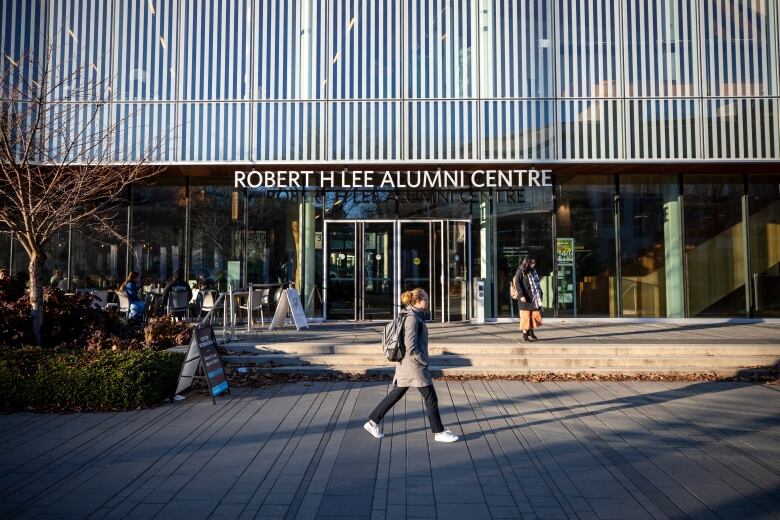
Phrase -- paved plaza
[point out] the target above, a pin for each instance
(608, 450)
(736, 332)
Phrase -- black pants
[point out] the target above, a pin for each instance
(395, 395)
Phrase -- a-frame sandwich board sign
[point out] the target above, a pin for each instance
(203, 353)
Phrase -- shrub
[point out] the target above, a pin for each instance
(15, 322)
(68, 320)
(130, 337)
(86, 381)
(163, 332)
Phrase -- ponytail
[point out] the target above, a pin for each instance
(412, 297)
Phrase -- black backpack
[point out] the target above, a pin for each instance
(392, 338)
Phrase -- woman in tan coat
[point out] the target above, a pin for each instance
(529, 298)
(413, 369)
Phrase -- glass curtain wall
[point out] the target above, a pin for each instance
(517, 234)
(55, 269)
(714, 246)
(764, 239)
(216, 234)
(158, 230)
(651, 246)
(284, 242)
(98, 259)
(585, 227)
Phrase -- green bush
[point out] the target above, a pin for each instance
(86, 381)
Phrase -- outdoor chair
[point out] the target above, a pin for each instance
(100, 299)
(259, 299)
(124, 305)
(178, 304)
(208, 302)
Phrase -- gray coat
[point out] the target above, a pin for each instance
(413, 368)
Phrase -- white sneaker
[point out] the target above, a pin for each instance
(373, 429)
(445, 436)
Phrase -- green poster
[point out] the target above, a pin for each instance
(564, 250)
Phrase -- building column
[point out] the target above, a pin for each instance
(487, 257)
(673, 252)
(307, 257)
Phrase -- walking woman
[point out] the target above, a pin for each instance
(529, 297)
(413, 369)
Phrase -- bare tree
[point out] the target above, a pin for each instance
(67, 155)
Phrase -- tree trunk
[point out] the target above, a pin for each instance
(37, 259)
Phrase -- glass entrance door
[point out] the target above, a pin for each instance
(368, 264)
(420, 252)
(359, 267)
(378, 296)
(457, 271)
(341, 271)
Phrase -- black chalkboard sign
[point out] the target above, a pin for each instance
(203, 354)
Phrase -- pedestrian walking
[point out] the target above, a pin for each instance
(529, 297)
(412, 371)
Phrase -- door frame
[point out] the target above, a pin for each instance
(359, 274)
(431, 246)
(467, 260)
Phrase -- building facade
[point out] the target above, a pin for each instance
(658, 120)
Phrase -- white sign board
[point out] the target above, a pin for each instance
(290, 302)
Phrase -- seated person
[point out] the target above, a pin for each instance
(177, 285)
(56, 278)
(132, 289)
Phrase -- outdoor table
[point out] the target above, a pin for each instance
(237, 295)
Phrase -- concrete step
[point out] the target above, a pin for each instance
(500, 371)
(532, 349)
(572, 362)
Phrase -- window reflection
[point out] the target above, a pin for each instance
(650, 246)
(740, 53)
(714, 252)
(764, 239)
(272, 235)
(518, 235)
(660, 36)
(98, 258)
(516, 49)
(585, 215)
(216, 236)
(146, 49)
(518, 130)
(440, 48)
(364, 49)
(158, 228)
(587, 48)
(55, 269)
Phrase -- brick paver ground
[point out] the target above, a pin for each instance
(529, 450)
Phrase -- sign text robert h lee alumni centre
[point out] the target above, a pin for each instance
(441, 179)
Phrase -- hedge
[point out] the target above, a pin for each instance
(86, 381)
